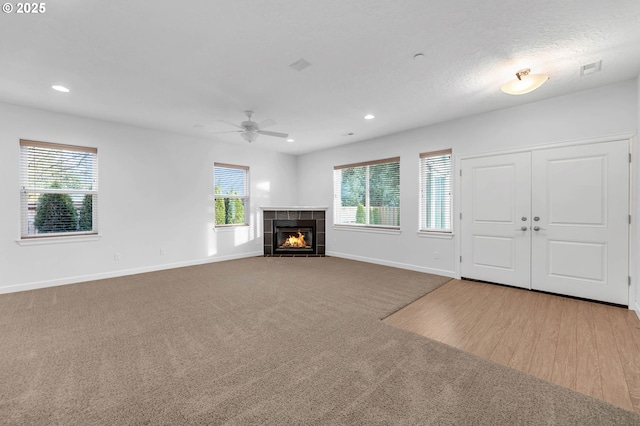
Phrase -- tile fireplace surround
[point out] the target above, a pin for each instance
(294, 213)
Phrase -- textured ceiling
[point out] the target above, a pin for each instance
(170, 65)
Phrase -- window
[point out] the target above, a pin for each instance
(59, 189)
(435, 191)
(231, 189)
(368, 194)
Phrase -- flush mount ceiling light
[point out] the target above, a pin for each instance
(290, 140)
(369, 117)
(524, 83)
(60, 88)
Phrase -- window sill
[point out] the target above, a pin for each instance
(436, 235)
(368, 229)
(229, 228)
(58, 240)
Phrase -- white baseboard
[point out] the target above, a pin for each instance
(434, 271)
(122, 272)
(636, 308)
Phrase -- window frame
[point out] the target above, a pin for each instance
(25, 189)
(338, 197)
(422, 196)
(245, 198)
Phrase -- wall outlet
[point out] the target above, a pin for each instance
(116, 256)
(162, 252)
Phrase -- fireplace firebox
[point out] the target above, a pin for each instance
(294, 236)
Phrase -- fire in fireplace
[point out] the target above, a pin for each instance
(295, 241)
(294, 236)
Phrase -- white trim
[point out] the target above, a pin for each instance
(292, 208)
(632, 226)
(434, 271)
(229, 228)
(436, 235)
(561, 144)
(368, 229)
(121, 273)
(58, 240)
(633, 233)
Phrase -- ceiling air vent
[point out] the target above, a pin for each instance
(591, 68)
(300, 64)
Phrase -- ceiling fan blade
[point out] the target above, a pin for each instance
(231, 124)
(276, 134)
(230, 131)
(266, 123)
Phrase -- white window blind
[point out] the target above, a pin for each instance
(59, 189)
(368, 194)
(231, 189)
(435, 191)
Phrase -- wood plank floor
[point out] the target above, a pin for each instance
(585, 346)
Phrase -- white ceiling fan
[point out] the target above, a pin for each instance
(250, 130)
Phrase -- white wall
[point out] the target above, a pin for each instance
(155, 188)
(585, 115)
(155, 192)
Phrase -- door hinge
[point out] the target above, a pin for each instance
(629, 281)
(460, 172)
(629, 157)
(460, 215)
(460, 259)
(629, 219)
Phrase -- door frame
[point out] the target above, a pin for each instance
(633, 271)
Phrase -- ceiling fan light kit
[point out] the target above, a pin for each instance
(249, 136)
(524, 82)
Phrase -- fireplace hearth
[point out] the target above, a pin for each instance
(294, 231)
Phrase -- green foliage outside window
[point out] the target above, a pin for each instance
(220, 208)
(361, 217)
(55, 213)
(374, 216)
(229, 211)
(354, 186)
(85, 222)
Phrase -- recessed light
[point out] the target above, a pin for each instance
(369, 117)
(60, 88)
(290, 140)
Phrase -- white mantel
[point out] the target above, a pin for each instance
(293, 208)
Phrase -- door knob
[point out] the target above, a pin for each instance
(536, 218)
(537, 228)
(524, 218)
(522, 228)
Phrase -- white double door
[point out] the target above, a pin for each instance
(555, 220)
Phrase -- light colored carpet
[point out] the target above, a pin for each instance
(256, 341)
